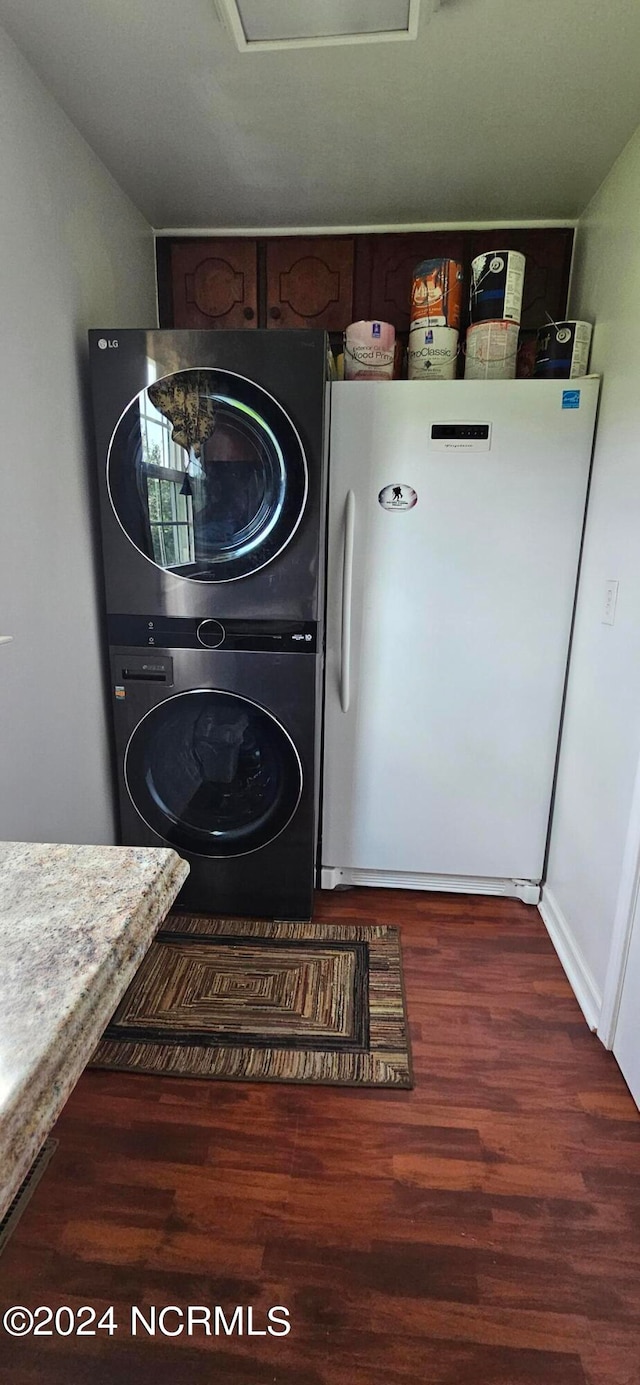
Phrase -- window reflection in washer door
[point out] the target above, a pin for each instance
(207, 475)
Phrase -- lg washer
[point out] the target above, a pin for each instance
(211, 469)
(218, 757)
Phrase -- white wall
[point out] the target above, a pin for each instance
(601, 739)
(74, 253)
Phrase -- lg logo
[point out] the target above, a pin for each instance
(106, 345)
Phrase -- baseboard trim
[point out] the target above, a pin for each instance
(577, 972)
(332, 877)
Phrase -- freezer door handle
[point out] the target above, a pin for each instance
(347, 582)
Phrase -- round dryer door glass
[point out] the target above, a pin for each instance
(207, 475)
(212, 773)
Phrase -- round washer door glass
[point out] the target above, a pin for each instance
(207, 475)
(212, 773)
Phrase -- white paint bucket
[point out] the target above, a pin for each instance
(432, 353)
(491, 351)
(497, 282)
(369, 349)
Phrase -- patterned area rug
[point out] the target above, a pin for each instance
(267, 1002)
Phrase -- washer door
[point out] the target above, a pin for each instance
(207, 475)
(212, 773)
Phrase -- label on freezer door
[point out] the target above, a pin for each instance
(571, 399)
(397, 497)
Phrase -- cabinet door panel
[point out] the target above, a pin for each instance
(384, 271)
(310, 282)
(215, 283)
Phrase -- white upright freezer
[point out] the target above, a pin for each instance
(455, 523)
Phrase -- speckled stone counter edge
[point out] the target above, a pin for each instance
(24, 1129)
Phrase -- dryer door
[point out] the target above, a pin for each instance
(212, 773)
(207, 475)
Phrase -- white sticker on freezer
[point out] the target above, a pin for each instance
(398, 497)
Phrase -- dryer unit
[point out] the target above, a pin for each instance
(212, 471)
(218, 756)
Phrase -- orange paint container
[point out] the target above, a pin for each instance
(436, 294)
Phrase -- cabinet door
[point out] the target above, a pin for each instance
(310, 282)
(384, 271)
(214, 283)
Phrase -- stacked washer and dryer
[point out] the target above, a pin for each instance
(212, 470)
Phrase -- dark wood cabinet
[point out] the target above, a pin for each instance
(310, 282)
(214, 283)
(330, 281)
(385, 265)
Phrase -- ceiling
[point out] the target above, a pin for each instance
(501, 109)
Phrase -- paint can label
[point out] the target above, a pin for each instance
(436, 293)
(491, 351)
(497, 284)
(432, 353)
(369, 351)
(563, 350)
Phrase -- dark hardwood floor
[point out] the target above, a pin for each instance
(479, 1230)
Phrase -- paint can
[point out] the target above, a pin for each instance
(369, 351)
(491, 351)
(527, 348)
(432, 353)
(563, 350)
(436, 293)
(497, 282)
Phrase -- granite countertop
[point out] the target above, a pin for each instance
(75, 923)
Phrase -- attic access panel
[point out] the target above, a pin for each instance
(273, 24)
